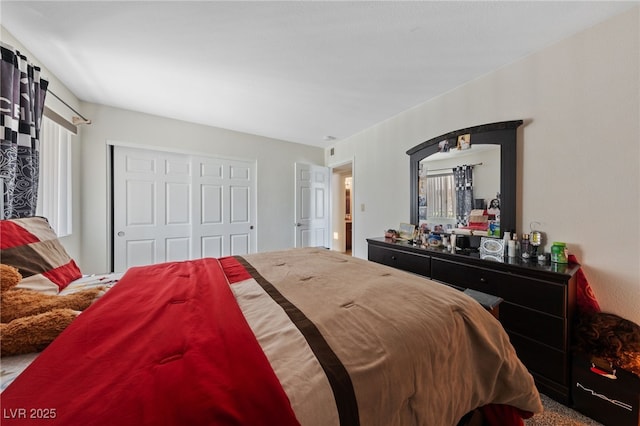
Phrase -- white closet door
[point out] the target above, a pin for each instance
(171, 207)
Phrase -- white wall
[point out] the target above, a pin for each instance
(578, 152)
(275, 171)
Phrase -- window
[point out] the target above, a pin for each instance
(436, 194)
(54, 190)
(442, 196)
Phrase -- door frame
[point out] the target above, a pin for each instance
(337, 227)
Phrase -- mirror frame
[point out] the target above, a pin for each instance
(503, 133)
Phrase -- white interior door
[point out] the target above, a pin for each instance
(311, 205)
(171, 207)
(224, 194)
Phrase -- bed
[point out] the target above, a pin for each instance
(300, 336)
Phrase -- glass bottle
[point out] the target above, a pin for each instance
(524, 247)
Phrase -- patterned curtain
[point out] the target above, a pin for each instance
(22, 94)
(463, 176)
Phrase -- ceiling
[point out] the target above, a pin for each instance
(300, 71)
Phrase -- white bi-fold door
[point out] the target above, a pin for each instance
(172, 207)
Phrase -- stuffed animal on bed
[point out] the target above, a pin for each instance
(31, 320)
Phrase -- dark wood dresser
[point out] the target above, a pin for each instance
(538, 306)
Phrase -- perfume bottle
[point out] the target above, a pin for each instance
(524, 247)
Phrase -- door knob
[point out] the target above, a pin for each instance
(120, 234)
(298, 224)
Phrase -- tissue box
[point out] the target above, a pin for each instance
(608, 395)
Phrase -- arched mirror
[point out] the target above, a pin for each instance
(481, 161)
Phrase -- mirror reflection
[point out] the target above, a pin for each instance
(459, 188)
(464, 143)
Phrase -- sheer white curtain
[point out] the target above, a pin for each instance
(54, 192)
(441, 194)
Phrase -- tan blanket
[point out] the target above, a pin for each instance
(416, 352)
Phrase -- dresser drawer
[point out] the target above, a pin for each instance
(541, 359)
(544, 328)
(406, 261)
(531, 293)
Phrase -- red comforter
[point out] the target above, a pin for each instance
(180, 357)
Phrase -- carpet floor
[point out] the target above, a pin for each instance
(556, 414)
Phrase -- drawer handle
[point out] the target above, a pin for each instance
(393, 258)
(483, 280)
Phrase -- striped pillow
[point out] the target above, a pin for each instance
(32, 246)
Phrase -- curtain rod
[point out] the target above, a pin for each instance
(75, 120)
(451, 168)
